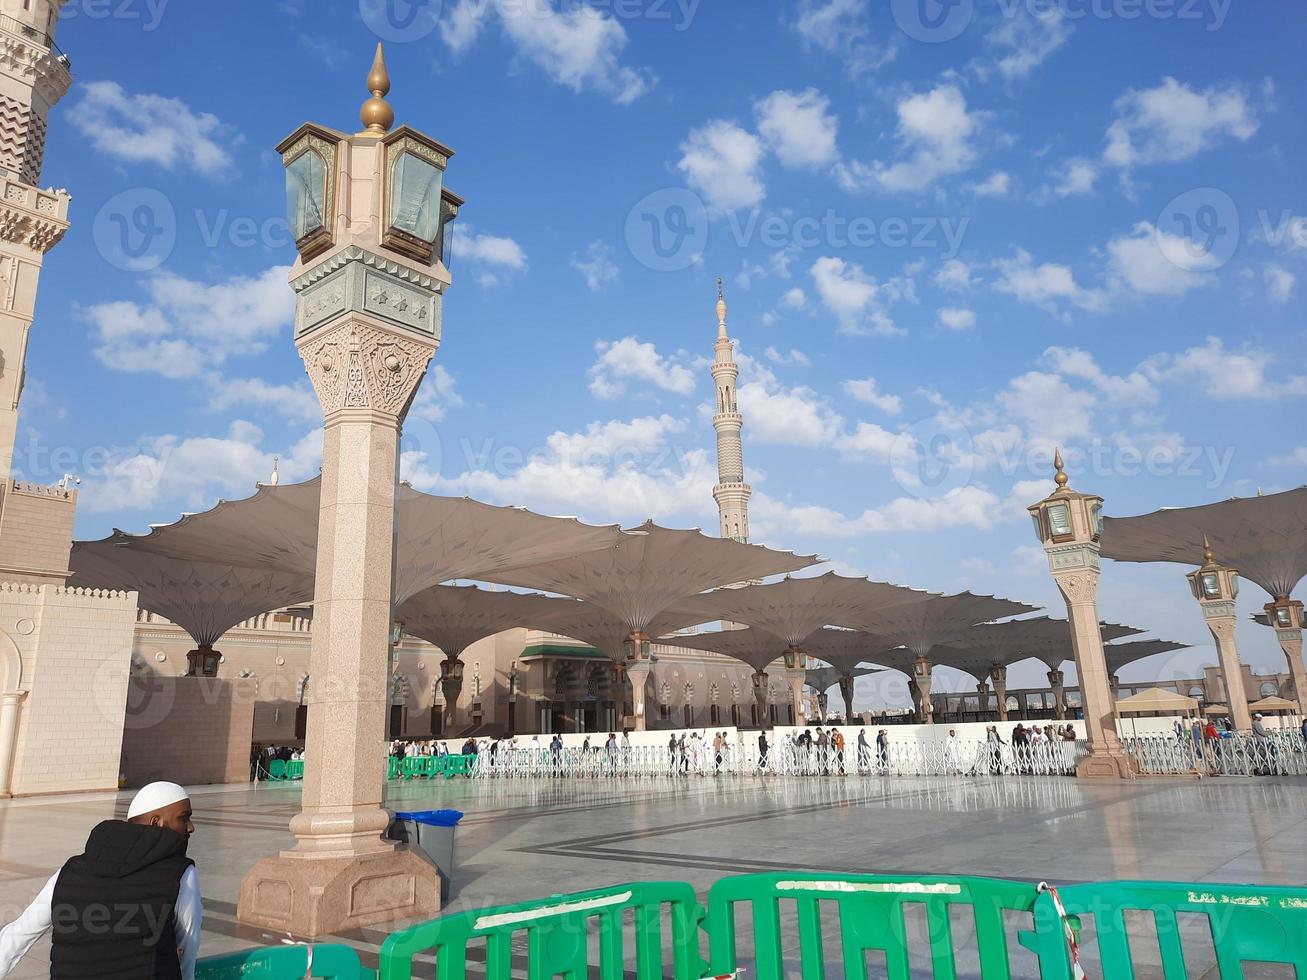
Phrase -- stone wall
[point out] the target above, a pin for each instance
(188, 730)
(36, 526)
(75, 646)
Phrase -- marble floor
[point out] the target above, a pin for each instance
(522, 840)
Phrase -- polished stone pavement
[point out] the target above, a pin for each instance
(529, 839)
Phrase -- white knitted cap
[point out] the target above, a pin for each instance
(156, 796)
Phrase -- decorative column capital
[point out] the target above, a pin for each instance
(1078, 587)
(358, 366)
(12, 697)
(1056, 678)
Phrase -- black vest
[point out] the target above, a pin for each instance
(112, 914)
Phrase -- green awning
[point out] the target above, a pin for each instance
(563, 651)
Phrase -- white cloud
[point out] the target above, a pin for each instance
(295, 401)
(1049, 407)
(1153, 262)
(153, 129)
(955, 276)
(957, 318)
(867, 391)
(1297, 457)
(492, 257)
(1076, 177)
(795, 298)
(868, 442)
(1227, 375)
(852, 295)
(799, 128)
(935, 131)
(1132, 389)
(436, 396)
(1048, 285)
(1174, 122)
(787, 416)
(962, 507)
(843, 28)
(1027, 40)
(597, 266)
(997, 184)
(616, 470)
(1279, 283)
(721, 161)
(188, 328)
(578, 46)
(191, 473)
(794, 358)
(628, 359)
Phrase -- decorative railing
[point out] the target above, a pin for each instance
(1280, 753)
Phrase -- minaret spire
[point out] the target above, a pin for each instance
(731, 493)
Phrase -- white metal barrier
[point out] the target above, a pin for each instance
(1280, 753)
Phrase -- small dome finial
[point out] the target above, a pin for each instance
(1060, 477)
(721, 310)
(1208, 557)
(272, 480)
(377, 115)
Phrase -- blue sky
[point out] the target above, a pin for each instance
(963, 234)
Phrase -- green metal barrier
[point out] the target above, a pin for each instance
(392, 769)
(1258, 923)
(295, 769)
(276, 770)
(558, 931)
(870, 911)
(458, 765)
(284, 963)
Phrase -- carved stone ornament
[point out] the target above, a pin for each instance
(1078, 587)
(359, 366)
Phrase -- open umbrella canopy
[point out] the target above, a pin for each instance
(1121, 654)
(794, 608)
(822, 679)
(1156, 699)
(936, 620)
(454, 617)
(752, 646)
(845, 649)
(1273, 703)
(204, 598)
(651, 568)
(595, 625)
(1265, 538)
(438, 538)
(1041, 638)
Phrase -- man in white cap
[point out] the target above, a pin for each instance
(128, 907)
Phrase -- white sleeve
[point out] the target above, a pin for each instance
(21, 934)
(188, 917)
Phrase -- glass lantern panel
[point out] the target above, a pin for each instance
(415, 197)
(1039, 528)
(306, 193)
(1211, 585)
(1282, 617)
(1059, 520)
(1234, 586)
(1096, 518)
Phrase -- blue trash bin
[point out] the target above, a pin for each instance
(432, 831)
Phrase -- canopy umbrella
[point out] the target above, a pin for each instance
(1157, 700)
(1274, 703)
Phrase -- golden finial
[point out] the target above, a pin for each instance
(1060, 477)
(1208, 557)
(377, 115)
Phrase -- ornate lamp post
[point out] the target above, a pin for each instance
(796, 671)
(1068, 525)
(921, 671)
(998, 673)
(1057, 681)
(639, 661)
(451, 686)
(369, 215)
(1216, 587)
(1285, 617)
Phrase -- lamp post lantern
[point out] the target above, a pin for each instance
(1285, 616)
(796, 671)
(1068, 524)
(369, 213)
(1216, 587)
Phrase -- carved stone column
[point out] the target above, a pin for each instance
(1057, 681)
(760, 684)
(1221, 624)
(982, 690)
(998, 673)
(796, 673)
(921, 669)
(1286, 617)
(10, 703)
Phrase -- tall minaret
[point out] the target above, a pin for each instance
(33, 77)
(731, 493)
